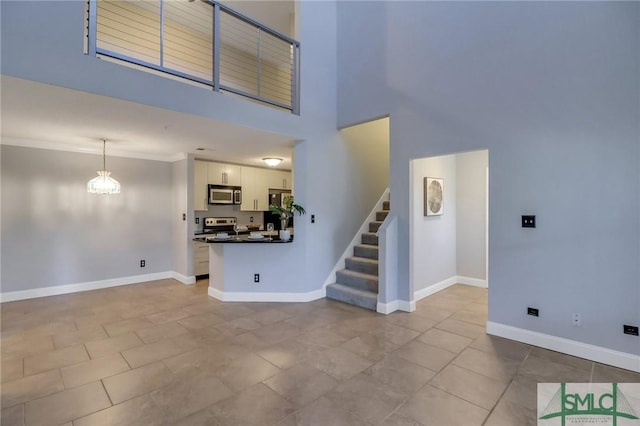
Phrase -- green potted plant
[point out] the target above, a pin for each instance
(287, 210)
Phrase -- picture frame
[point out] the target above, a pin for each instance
(433, 196)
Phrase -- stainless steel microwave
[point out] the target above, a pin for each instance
(223, 194)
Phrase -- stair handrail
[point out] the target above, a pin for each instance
(363, 228)
(228, 72)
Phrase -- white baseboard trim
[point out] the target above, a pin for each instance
(405, 306)
(228, 296)
(183, 278)
(476, 282)
(387, 308)
(396, 305)
(434, 288)
(559, 344)
(90, 285)
(456, 279)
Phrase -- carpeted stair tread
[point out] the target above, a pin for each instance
(357, 284)
(374, 226)
(369, 238)
(353, 296)
(381, 215)
(365, 250)
(362, 264)
(357, 279)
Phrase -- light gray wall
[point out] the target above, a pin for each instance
(321, 171)
(365, 157)
(181, 202)
(471, 217)
(55, 233)
(551, 89)
(433, 238)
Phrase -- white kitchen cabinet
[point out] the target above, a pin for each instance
(255, 189)
(223, 174)
(200, 179)
(200, 258)
(279, 179)
(256, 183)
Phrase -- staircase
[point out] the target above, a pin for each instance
(357, 284)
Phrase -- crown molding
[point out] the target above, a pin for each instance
(113, 152)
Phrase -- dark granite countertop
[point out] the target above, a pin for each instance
(203, 234)
(242, 239)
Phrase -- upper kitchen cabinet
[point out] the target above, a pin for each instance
(224, 174)
(256, 183)
(279, 179)
(255, 189)
(200, 179)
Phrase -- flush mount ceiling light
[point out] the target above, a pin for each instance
(103, 183)
(272, 161)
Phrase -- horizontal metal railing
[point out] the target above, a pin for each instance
(201, 41)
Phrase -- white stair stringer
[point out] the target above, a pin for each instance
(348, 252)
(357, 282)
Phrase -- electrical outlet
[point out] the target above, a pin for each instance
(576, 320)
(533, 311)
(528, 221)
(256, 278)
(630, 329)
(143, 263)
(313, 218)
(184, 216)
(197, 220)
(251, 219)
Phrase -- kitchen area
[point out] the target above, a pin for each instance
(231, 205)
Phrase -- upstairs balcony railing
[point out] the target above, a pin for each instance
(201, 41)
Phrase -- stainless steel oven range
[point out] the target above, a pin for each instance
(213, 225)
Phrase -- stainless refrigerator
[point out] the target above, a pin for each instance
(276, 196)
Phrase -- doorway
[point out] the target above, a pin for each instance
(448, 241)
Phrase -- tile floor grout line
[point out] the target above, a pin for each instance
(86, 351)
(438, 347)
(475, 372)
(428, 383)
(506, 388)
(401, 405)
(526, 357)
(452, 394)
(498, 400)
(107, 393)
(457, 396)
(127, 361)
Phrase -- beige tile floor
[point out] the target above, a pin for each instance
(162, 353)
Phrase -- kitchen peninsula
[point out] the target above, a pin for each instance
(242, 268)
(242, 239)
(225, 229)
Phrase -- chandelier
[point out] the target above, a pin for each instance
(103, 183)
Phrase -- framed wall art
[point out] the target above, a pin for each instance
(433, 196)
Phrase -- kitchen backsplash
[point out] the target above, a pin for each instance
(243, 218)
